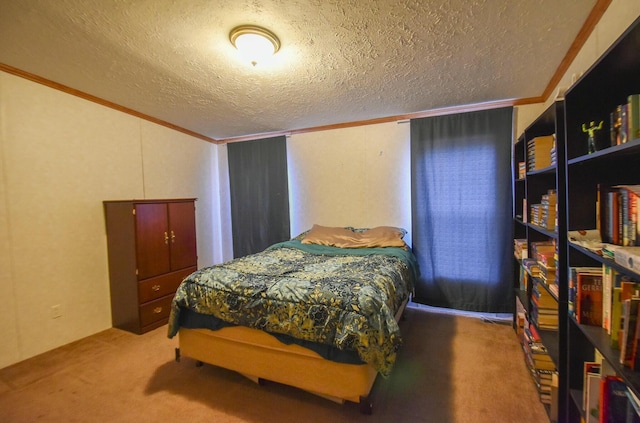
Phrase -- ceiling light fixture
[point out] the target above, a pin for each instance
(254, 43)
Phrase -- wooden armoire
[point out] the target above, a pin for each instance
(152, 247)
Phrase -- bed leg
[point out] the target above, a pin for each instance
(178, 354)
(366, 402)
(366, 407)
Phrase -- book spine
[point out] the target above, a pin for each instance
(624, 123)
(633, 111)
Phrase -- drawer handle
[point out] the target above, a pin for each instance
(157, 310)
(155, 288)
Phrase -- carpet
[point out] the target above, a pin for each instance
(450, 368)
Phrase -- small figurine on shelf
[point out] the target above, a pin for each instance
(591, 130)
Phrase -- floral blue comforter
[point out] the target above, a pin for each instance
(345, 298)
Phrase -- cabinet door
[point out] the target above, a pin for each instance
(182, 233)
(152, 239)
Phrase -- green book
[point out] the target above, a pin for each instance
(633, 116)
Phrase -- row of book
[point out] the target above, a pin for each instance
(605, 396)
(625, 121)
(537, 359)
(522, 170)
(539, 152)
(528, 269)
(544, 308)
(546, 255)
(618, 214)
(520, 249)
(602, 296)
(544, 213)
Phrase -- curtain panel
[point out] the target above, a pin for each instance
(259, 192)
(461, 210)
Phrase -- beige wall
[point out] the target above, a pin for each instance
(355, 176)
(60, 157)
(618, 17)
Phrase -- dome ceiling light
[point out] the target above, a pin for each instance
(255, 44)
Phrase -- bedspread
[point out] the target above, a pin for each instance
(345, 298)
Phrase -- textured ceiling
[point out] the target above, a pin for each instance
(340, 61)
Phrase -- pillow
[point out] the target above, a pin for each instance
(331, 236)
(381, 236)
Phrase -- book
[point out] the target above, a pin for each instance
(542, 298)
(573, 286)
(624, 123)
(592, 394)
(630, 318)
(633, 407)
(520, 248)
(607, 296)
(553, 408)
(521, 316)
(532, 267)
(589, 298)
(624, 290)
(628, 257)
(608, 213)
(618, 214)
(589, 367)
(540, 247)
(615, 122)
(539, 152)
(634, 361)
(571, 297)
(524, 278)
(613, 400)
(630, 195)
(633, 111)
(616, 317)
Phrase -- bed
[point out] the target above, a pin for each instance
(319, 312)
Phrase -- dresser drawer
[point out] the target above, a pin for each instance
(155, 310)
(160, 286)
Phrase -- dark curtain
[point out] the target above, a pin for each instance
(259, 194)
(461, 210)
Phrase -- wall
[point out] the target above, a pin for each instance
(60, 157)
(618, 17)
(356, 176)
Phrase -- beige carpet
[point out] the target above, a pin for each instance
(450, 369)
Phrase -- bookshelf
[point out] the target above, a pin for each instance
(541, 148)
(592, 99)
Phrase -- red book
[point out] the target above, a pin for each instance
(589, 299)
(613, 400)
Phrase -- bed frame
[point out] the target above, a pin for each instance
(260, 356)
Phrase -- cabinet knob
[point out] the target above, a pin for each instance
(173, 237)
(166, 238)
(155, 288)
(157, 310)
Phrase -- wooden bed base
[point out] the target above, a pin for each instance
(258, 355)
